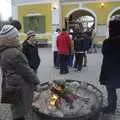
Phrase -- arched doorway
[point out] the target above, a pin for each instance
(114, 12)
(82, 18)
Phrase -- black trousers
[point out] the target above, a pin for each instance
(78, 60)
(112, 98)
(85, 59)
(56, 59)
(63, 59)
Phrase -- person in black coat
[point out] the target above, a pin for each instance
(30, 50)
(110, 70)
(80, 46)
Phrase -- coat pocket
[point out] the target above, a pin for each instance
(11, 95)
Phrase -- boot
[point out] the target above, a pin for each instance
(22, 118)
(108, 110)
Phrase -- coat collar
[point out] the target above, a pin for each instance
(5, 43)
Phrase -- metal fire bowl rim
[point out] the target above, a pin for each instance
(82, 117)
(93, 113)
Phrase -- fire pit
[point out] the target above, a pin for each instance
(68, 100)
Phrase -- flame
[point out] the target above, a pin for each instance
(53, 100)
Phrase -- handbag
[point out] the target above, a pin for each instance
(11, 94)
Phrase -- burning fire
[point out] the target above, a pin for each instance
(53, 100)
(59, 94)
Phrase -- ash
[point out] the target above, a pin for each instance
(86, 102)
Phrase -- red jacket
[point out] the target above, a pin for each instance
(64, 43)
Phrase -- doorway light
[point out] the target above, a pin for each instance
(102, 5)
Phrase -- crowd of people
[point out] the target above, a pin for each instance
(70, 49)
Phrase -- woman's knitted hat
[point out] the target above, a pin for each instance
(114, 26)
(9, 31)
(8, 36)
(30, 33)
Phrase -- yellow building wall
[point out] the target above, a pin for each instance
(44, 9)
(65, 9)
(101, 13)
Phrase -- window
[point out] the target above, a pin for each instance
(36, 23)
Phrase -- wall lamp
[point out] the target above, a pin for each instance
(55, 7)
(102, 5)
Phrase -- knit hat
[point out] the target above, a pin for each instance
(9, 31)
(30, 33)
(8, 36)
(114, 26)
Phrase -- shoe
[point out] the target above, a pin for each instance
(61, 72)
(66, 71)
(75, 66)
(107, 110)
(80, 68)
(22, 118)
(57, 67)
(84, 65)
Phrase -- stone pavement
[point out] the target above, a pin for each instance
(47, 72)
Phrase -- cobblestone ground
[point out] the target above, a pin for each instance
(47, 72)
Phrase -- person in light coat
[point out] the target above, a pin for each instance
(18, 79)
(54, 49)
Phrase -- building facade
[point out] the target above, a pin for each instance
(47, 15)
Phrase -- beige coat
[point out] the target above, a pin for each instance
(16, 72)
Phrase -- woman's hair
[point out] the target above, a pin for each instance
(114, 26)
(16, 24)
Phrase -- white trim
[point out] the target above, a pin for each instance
(96, 1)
(80, 5)
(15, 12)
(34, 14)
(62, 3)
(60, 15)
(110, 14)
(108, 19)
(33, 3)
(85, 9)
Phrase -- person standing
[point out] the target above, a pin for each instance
(80, 46)
(71, 55)
(87, 40)
(30, 50)
(18, 79)
(64, 49)
(89, 34)
(54, 49)
(110, 69)
(94, 48)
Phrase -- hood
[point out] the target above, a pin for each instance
(6, 42)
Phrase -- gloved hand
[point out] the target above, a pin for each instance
(38, 88)
(42, 86)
